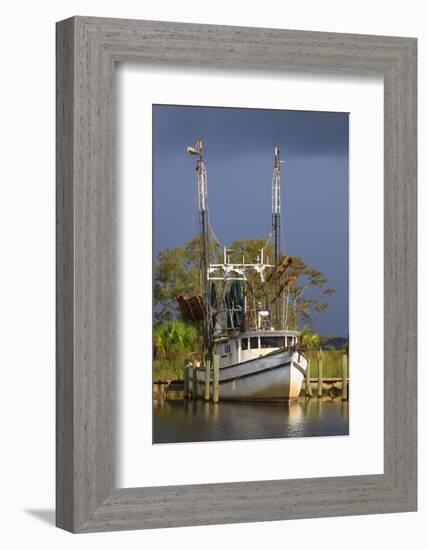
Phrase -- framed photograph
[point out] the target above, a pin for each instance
(269, 332)
(236, 274)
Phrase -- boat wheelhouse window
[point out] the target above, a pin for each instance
(272, 341)
(226, 350)
(254, 342)
(244, 343)
(290, 340)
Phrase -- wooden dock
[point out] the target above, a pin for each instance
(175, 389)
(329, 386)
(168, 389)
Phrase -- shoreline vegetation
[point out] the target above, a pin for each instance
(165, 370)
(177, 342)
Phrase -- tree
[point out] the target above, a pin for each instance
(307, 296)
(309, 340)
(173, 338)
(345, 347)
(177, 271)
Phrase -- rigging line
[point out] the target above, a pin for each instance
(268, 238)
(211, 239)
(283, 216)
(215, 237)
(283, 236)
(282, 228)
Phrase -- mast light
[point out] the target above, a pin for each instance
(196, 149)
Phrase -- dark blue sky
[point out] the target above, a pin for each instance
(238, 148)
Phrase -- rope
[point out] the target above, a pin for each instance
(215, 237)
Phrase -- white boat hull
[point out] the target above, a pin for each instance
(274, 377)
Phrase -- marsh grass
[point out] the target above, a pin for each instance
(332, 363)
(163, 369)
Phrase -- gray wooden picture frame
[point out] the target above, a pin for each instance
(87, 50)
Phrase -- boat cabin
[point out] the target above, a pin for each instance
(250, 345)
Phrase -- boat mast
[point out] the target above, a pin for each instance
(276, 224)
(204, 233)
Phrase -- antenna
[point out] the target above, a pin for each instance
(202, 189)
(276, 204)
(276, 216)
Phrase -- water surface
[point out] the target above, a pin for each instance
(186, 421)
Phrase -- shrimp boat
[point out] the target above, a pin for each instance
(249, 353)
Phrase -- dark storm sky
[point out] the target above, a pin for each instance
(238, 148)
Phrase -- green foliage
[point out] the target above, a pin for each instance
(314, 348)
(308, 295)
(177, 271)
(173, 342)
(332, 362)
(345, 347)
(250, 250)
(167, 370)
(173, 338)
(309, 340)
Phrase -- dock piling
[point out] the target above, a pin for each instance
(320, 380)
(207, 380)
(344, 377)
(308, 387)
(216, 377)
(193, 377)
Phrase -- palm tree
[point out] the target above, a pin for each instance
(172, 338)
(309, 340)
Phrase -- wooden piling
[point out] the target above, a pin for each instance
(207, 380)
(190, 376)
(308, 387)
(344, 377)
(320, 380)
(216, 377)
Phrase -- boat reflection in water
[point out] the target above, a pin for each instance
(191, 421)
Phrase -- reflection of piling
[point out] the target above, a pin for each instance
(186, 385)
(207, 405)
(161, 392)
(320, 381)
(194, 382)
(308, 380)
(344, 377)
(216, 377)
(345, 410)
(207, 381)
